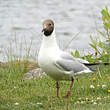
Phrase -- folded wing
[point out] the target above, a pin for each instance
(68, 63)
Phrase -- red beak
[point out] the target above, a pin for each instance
(43, 29)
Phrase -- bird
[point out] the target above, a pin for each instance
(56, 63)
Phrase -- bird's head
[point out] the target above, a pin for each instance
(48, 27)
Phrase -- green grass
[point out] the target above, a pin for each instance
(40, 94)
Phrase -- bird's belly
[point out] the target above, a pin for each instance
(52, 71)
(57, 75)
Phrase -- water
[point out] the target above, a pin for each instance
(23, 19)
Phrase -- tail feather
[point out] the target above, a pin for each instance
(93, 66)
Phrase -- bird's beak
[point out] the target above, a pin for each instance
(43, 29)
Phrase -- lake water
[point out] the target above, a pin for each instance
(21, 24)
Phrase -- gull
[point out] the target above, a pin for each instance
(58, 64)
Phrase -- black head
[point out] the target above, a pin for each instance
(48, 27)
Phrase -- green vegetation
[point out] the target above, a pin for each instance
(100, 43)
(90, 91)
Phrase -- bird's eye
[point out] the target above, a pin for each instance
(49, 24)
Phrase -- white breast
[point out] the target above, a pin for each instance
(46, 60)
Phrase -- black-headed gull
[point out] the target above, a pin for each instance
(58, 64)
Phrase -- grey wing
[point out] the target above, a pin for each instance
(68, 63)
(92, 67)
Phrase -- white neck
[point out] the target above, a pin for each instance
(49, 41)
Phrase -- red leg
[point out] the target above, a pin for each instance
(57, 86)
(68, 93)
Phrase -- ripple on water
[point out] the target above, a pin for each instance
(71, 17)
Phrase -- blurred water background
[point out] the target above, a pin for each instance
(21, 24)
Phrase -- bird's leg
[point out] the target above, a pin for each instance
(57, 86)
(68, 93)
